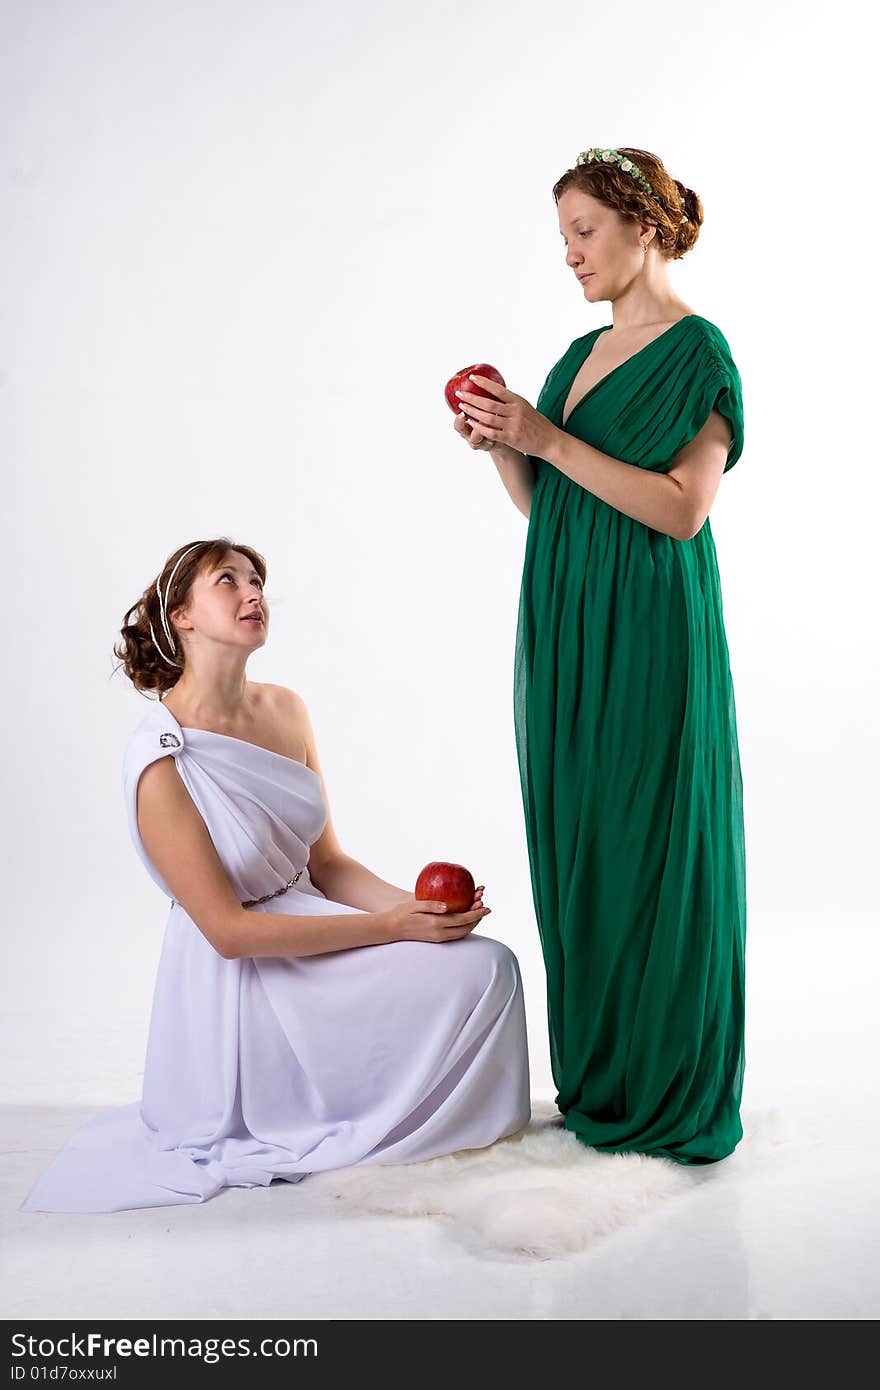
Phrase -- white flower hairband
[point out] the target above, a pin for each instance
(614, 157)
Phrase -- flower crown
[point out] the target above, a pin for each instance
(614, 157)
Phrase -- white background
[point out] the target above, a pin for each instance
(245, 245)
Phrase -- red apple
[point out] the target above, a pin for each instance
(451, 884)
(460, 382)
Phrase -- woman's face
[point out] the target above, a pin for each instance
(227, 605)
(599, 245)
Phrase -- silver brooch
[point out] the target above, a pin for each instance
(169, 741)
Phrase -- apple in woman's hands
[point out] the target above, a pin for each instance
(461, 382)
(447, 883)
(514, 424)
(469, 429)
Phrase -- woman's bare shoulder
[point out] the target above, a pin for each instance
(281, 716)
(279, 700)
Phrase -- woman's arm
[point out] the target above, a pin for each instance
(517, 474)
(514, 468)
(346, 880)
(176, 839)
(676, 503)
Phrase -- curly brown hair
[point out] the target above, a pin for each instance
(159, 669)
(671, 200)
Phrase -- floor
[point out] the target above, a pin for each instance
(795, 1237)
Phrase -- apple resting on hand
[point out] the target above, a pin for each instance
(442, 882)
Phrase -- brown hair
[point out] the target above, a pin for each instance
(664, 209)
(137, 651)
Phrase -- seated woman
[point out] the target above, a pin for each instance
(304, 1017)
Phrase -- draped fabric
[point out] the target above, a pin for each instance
(276, 1067)
(629, 764)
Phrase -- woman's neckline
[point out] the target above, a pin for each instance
(212, 733)
(592, 336)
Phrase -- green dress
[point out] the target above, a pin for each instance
(630, 772)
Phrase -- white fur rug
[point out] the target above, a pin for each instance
(539, 1193)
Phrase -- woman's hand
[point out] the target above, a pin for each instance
(472, 434)
(415, 919)
(507, 420)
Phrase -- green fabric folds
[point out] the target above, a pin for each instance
(629, 764)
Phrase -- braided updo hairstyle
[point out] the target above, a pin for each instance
(159, 669)
(671, 201)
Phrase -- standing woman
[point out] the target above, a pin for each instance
(624, 706)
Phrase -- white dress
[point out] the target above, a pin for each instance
(276, 1067)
